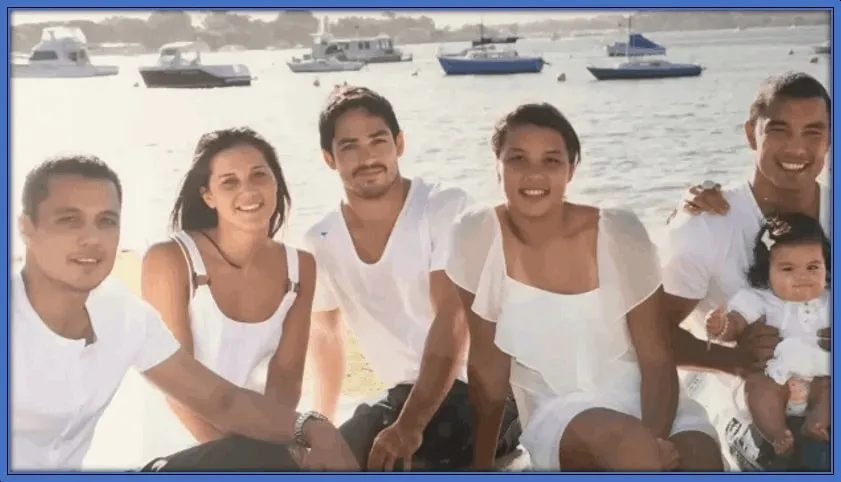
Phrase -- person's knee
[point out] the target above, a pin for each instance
(362, 428)
(637, 449)
(699, 452)
(614, 441)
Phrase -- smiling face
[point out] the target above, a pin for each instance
(365, 153)
(242, 188)
(535, 169)
(72, 237)
(791, 140)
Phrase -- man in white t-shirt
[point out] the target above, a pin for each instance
(380, 257)
(75, 332)
(707, 256)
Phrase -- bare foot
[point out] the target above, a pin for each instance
(783, 445)
(816, 424)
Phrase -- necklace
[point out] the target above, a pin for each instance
(219, 250)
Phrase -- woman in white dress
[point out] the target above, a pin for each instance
(563, 303)
(239, 301)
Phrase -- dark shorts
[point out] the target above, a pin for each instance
(447, 440)
(229, 454)
(754, 454)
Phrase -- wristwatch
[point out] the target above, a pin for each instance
(302, 420)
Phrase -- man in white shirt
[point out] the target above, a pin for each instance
(380, 256)
(706, 258)
(75, 332)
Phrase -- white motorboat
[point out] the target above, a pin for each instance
(308, 64)
(371, 50)
(179, 66)
(61, 53)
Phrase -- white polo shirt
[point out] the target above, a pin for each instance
(387, 304)
(60, 387)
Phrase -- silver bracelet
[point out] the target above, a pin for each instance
(301, 421)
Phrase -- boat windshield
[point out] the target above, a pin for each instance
(42, 55)
(174, 56)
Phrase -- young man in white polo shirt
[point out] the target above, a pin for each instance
(706, 258)
(75, 331)
(380, 256)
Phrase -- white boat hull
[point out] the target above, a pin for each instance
(30, 71)
(318, 67)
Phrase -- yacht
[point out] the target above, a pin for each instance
(179, 66)
(371, 50)
(61, 53)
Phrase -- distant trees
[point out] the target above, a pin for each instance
(292, 27)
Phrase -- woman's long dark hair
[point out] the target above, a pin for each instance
(190, 211)
(780, 230)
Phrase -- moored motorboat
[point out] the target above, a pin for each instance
(179, 66)
(61, 53)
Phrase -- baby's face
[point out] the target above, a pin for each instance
(798, 272)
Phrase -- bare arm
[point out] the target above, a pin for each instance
(327, 354)
(652, 341)
(443, 354)
(211, 397)
(732, 327)
(286, 371)
(165, 285)
(488, 373)
(693, 352)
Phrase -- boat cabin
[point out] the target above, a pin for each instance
(488, 52)
(326, 46)
(179, 54)
(61, 44)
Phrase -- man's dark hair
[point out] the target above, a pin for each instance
(190, 211)
(789, 85)
(346, 98)
(540, 115)
(36, 188)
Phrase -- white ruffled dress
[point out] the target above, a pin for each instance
(569, 353)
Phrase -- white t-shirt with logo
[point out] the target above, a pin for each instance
(61, 387)
(706, 257)
(387, 304)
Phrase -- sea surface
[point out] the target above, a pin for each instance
(644, 142)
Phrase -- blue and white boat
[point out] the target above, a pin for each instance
(490, 60)
(636, 46)
(646, 69)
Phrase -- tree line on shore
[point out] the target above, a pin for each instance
(292, 28)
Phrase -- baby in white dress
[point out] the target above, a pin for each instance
(789, 287)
